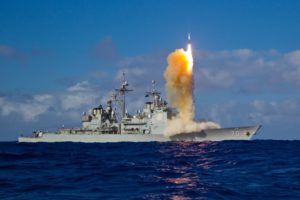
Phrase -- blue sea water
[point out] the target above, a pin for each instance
(258, 169)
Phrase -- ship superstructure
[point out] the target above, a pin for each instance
(152, 119)
(102, 124)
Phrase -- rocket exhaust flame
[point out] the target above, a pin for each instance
(189, 56)
(179, 86)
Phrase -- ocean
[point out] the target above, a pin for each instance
(258, 169)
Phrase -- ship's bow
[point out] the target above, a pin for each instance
(220, 134)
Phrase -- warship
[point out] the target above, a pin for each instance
(101, 125)
(114, 124)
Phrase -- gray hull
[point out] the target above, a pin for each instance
(240, 133)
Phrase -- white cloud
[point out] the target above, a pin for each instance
(273, 112)
(220, 112)
(78, 95)
(80, 87)
(293, 57)
(226, 54)
(214, 79)
(270, 69)
(68, 102)
(243, 53)
(292, 76)
(76, 100)
(30, 109)
(131, 73)
(43, 98)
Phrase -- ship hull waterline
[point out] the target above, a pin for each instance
(239, 133)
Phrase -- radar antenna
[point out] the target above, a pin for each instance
(153, 91)
(156, 99)
(122, 92)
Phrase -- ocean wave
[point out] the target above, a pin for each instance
(172, 170)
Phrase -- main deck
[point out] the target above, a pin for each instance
(239, 133)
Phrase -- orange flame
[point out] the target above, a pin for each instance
(179, 87)
(179, 82)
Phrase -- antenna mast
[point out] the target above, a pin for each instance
(122, 92)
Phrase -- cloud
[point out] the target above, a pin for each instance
(219, 112)
(130, 74)
(292, 75)
(276, 116)
(28, 109)
(12, 53)
(242, 69)
(77, 100)
(141, 70)
(70, 102)
(288, 107)
(106, 51)
(270, 112)
(237, 53)
(78, 95)
(209, 79)
(43, 98)
(293, 57)
(80, 87)
(243, 53)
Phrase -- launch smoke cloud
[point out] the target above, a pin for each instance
(179, 87)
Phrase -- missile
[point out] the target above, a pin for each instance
(189, 38)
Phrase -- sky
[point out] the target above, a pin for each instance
(60, 58)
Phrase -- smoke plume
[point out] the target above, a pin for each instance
(179, 87)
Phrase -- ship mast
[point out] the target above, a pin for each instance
(156, 100)
(153, 92)
(122, 92)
